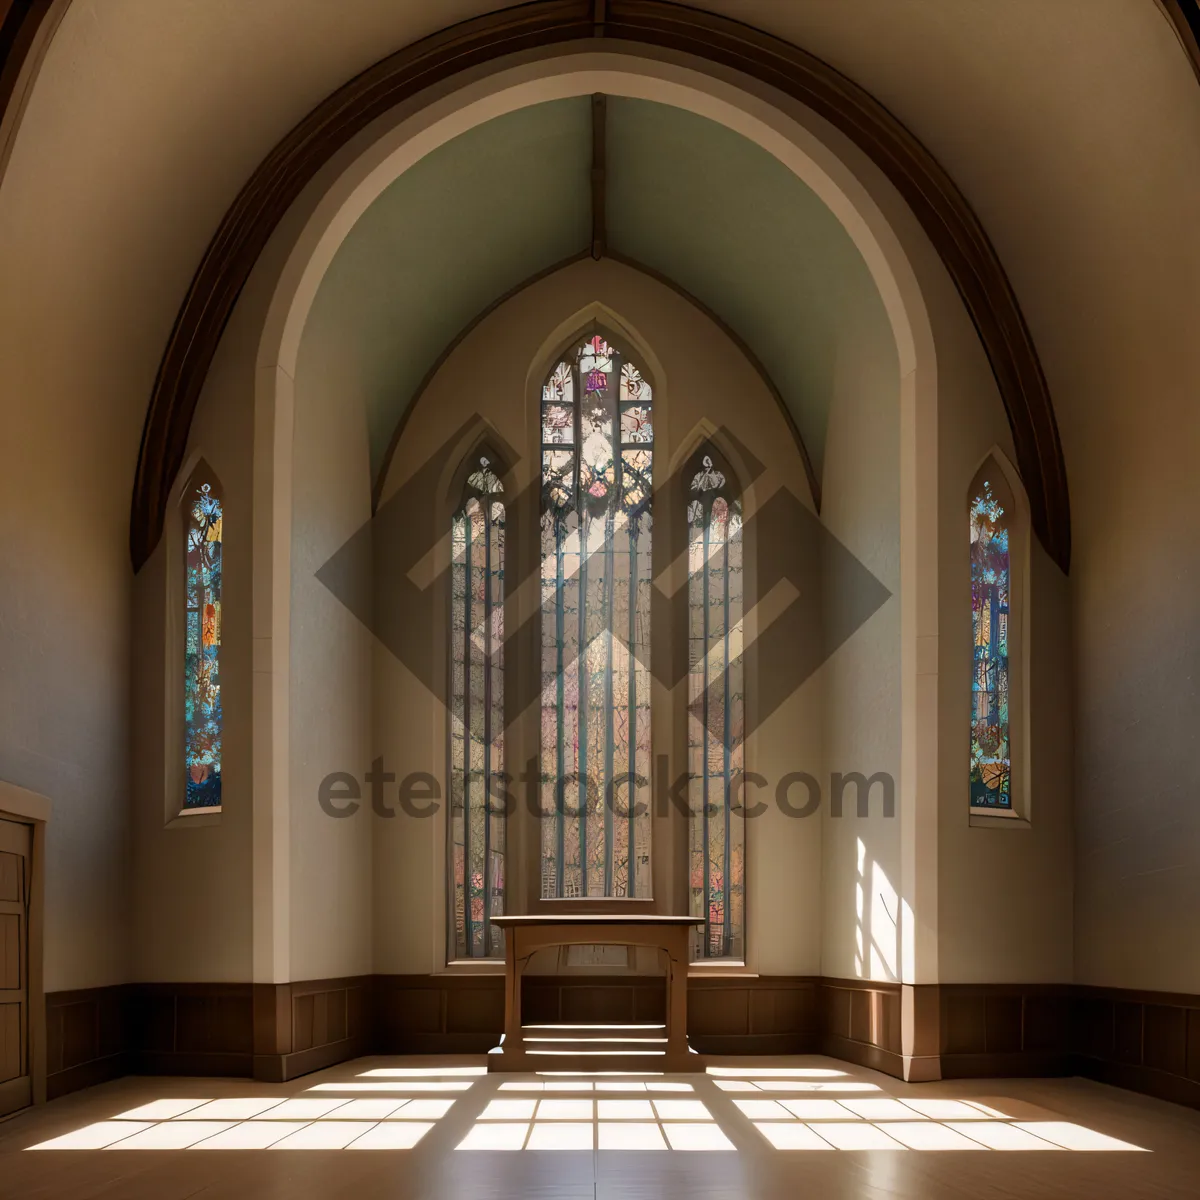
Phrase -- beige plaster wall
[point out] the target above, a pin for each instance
(201, 862)
(330, 668)
(699, 375)
(860, 508)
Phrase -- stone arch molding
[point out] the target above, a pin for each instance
(294, 267)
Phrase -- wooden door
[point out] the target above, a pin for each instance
(16, 845)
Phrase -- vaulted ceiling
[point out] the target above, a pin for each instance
(1076, 140)
(686, 197)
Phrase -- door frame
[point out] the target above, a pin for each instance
(30, 808)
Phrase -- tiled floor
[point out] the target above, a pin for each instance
(442, 1127)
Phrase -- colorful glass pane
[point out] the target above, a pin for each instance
(477, 826)
(203, 527)
(716, 706)
(596, 562)
(990, 586)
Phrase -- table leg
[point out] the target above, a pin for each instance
(677, 1048)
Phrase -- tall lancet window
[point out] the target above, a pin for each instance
(597, 456)
(716, 702)
(991, 586)
(203, 528)
(477, 831)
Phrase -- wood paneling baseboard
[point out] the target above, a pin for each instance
(87, 1038)
(766, 1014)
(190, 1028)
(1145, 1041)
(860, 1022)
(306, 1026)
(438, 1014)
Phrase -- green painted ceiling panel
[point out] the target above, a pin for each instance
(732, 225)
(470, 221)
(700, 204)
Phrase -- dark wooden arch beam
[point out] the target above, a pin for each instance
(26, 29)
(1184, 16)
(385, 463)
(943, 212)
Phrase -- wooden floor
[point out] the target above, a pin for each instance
(401, 1128)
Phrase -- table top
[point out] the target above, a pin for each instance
(594, 918)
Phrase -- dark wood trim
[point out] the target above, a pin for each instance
(306, 1026)
(1141, 1040)
(20, 23)
(87, 1038)
(939, 206)
(190, 1028)
(438, 1014)
(1184, 16)
(860, 1022)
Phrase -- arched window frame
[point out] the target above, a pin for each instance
(202, 514)
(716, 826)
(550, 886)
(1001, 478)
(479, 482)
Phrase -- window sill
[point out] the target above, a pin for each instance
(730, 970)
(472, 966)
(993, 818)
(193, 817)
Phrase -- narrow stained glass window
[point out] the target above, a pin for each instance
(597, 457)
(716, 727)
(477, 830)
(990, 588)
(202, 515)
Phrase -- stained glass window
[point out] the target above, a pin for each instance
(990, 589)
(477, 825)
(597, 456)
(716, 727)
(203, 516)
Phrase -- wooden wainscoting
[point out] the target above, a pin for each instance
(860, 1022)
(765, 1014)
(87, 1038)
(438, 1014)
(305, 1026)
(1004, 1030)
(583, 999)
(464, 1014)
(1145, 1041)
(191, 1028)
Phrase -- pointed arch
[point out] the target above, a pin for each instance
(716, 705)
(202, 511)
(597, 459)
(997, 523)
(476, 830)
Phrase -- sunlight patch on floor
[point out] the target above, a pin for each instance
(790, 1109)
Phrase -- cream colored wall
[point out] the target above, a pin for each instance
(199, 863)
(91, 274)
(1091, 208)
(1004, 897)
(860, 508)
(330, 691)
(699, 374)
